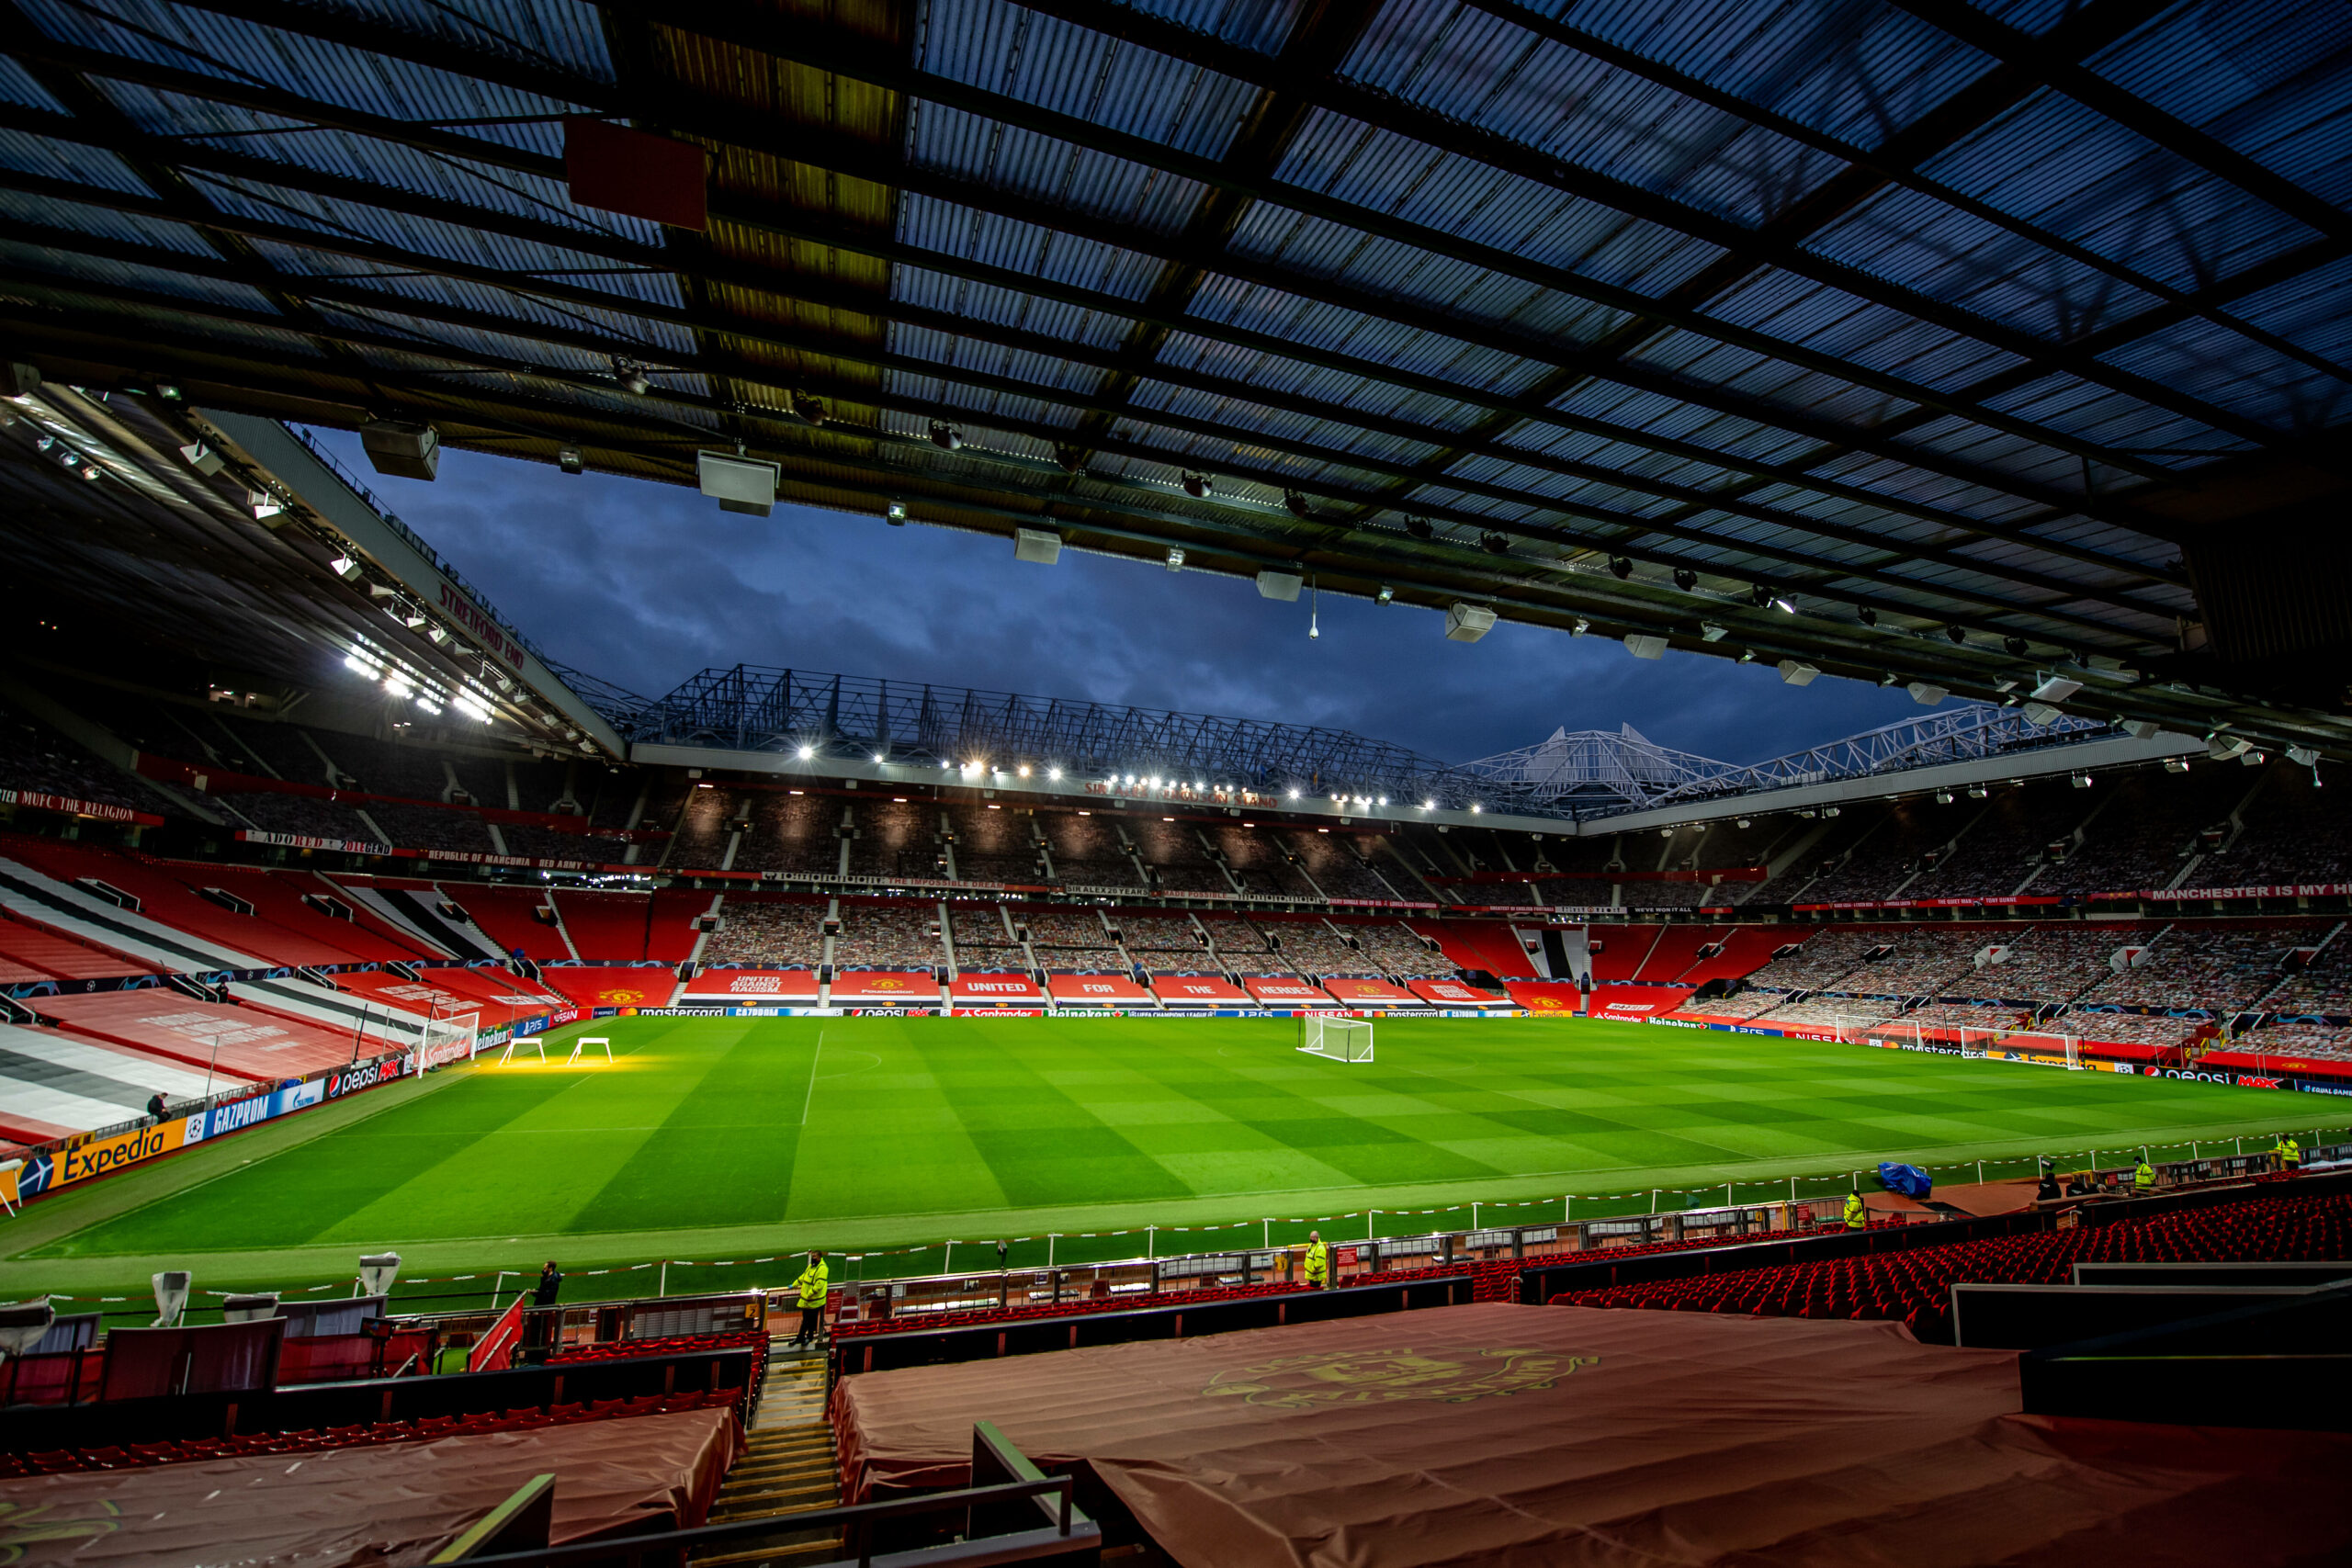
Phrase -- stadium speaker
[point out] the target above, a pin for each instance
(738, 483)
(2040, 713)
(2141, 728)
(568, 459)
(398, 448)
(1042, 546)
(2056, 689)
(1927, 694)
(202, 459)
(1419, 527)
(377, 1273)
(1282, 585)
(248, 1306)
(24, 1324)
(1619, 567)
(2175, 765)
(1645, 645)
(1797, 672)
(1685, 579)
(1466, 622)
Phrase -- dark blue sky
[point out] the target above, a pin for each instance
(644, 584)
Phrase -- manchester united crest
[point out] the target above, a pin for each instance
(1375, 1377)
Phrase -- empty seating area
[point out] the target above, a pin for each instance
(1828, 956)
(310, 816)
(2313, 1042)
(768, 933)
(1086, 851)
(1335, 863)
(1172, 849)
(1050, 928)
(1255, 857)
(1914, 1286)
(1924, 963)
(887, 838)
(2123, 1028)
(982, 938)
(2323, 986)
(432, 827)
(1241, 946)
(1145, 933)
(2050, 963)
(995, 846)
(1836, 1012)
(888, 936)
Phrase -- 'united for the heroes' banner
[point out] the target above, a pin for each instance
(39, 801)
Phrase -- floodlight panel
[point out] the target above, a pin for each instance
(726, 477)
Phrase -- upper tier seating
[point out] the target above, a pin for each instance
(1313, 948)
(35, 757)
(2206, 965)
(877, 935)
(1397, 951)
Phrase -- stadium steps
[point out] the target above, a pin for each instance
(787, 1466)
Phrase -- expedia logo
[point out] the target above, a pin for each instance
(1381, 1377)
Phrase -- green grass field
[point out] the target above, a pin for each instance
(714, 1139)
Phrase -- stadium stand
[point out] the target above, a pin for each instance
(877, 934)
(35, 757)
(769, 932)
(1313, 948)
(2207, 965)
(1085, 851)
(1173, 851)
(2048, 963)
(516, 918)
(1256, 858)
(994, 845)
(890, 837)
(304, 815)
(233, 1042)
(1143, 932)
(1914, 1285)
(1398, 951)
(432, 828)
(54, 1083)
(36, 951)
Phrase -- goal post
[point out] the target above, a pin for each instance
(1341, 1039)
(449, 1037)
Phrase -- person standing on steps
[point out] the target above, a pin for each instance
(1318, 1262)
(811, 1290)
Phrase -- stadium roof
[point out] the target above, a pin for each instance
(1903, 338)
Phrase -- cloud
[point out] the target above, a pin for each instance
(644, 584)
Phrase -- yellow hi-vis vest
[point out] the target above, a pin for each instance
(811, 1286)
(2144, 1178)
(2295, 1153)
(1858, 1212)
(1319, 1264)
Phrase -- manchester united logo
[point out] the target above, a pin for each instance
(1374, 1377)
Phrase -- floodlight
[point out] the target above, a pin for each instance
(1943, 797)
(1282, 585)
(570, 460)
(1685, 579)
(263, 504)
(2222, 748)
(1386, 596)
(2303, 756)
(1743, 822)
(377, 1273)
(946, 437)
(1748, 656)
(171, 1296)
(1429, 805)
(1054, 773)
(1298, 506)
(1420, 528)
(1198, 487)
(345, 568)
(24, 1324)
(1475, 806)
(1645, 645)
(1175, 558)
(807, 753)
(1797, 672)
(1024, 770)
(631, 376)
(2141, 729)
(1978, 791)
(1383, 800)
(2254, 758)
(2175, 765)
(2057, 689)
(202, 459)
(1582, 627)
(1786, 606)
(1619, 567)
(2039, 714)
(2080, 781)
(411, 619)
(357, 665)
(1294, 795)
(879, 758)
(1832, 810)
(896, 512)
(18, 382)
(1927, 694)
(1041, 545)
(1709, 632)
(436, 634)
(248, 1306)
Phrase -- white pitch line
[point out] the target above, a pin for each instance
(807, 1099)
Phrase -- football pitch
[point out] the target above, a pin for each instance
(717, 1139)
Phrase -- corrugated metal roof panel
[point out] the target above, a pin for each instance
(129, 275)
(2313, 311)
(1003, 307)
(2201, 360)
(1022, 162)
(954, 230)
(968, 354)
(1274, 313)
(17, 86)
(1076, 71)
(104, 222)
(69, 161)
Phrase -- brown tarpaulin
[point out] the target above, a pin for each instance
(1502, 1433)
(386, 1505)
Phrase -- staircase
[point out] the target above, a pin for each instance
(787, 1468)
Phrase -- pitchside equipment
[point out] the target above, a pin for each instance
(533, 1042)
(587, 1040)
(1341, 1039)
(447, 1038)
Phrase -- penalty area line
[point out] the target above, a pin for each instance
(807, 1100)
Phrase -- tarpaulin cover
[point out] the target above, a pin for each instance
(752, 985)
(1283, 993)
(236, 1042)
(994, 988)
(1198, 991)
(1099, 989)
(1357, 991)
(144, 1362)
(1546, 996)
(1454, 994)
(889, 986)
(600, 986)
(383, 1505)
(1506, 1434)
(1636, 1001)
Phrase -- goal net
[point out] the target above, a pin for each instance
(1341, 1039)
(447, 1038)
